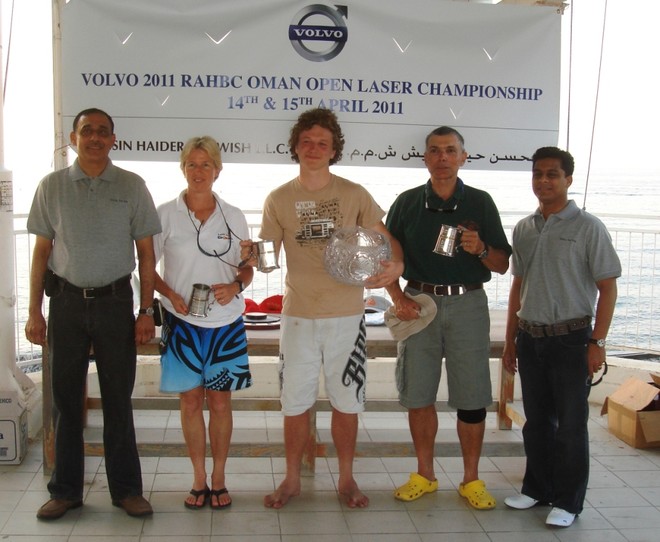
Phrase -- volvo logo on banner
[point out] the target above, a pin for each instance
(319, 42)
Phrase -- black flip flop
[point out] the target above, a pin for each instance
(216, 493)
(197, 493)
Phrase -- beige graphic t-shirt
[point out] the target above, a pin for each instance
(304, 222)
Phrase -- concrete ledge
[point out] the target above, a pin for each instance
(265, 377)
(380, 382)
(381, 394)
(363, 449)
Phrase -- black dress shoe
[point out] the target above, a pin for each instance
(56, 508)
(135, 505)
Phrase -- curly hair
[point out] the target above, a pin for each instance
(323, 118)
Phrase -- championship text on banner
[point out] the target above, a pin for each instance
(243, 71)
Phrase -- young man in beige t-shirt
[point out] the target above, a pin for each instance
(322, 319)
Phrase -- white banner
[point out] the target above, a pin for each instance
(243, 71)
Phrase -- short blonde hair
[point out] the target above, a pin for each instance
(205, 143)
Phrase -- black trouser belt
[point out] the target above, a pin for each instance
(553, 330)
(100, 291)
(444, 289)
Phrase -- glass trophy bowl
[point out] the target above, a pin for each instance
(354, 254)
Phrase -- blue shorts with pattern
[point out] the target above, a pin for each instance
(193, 356)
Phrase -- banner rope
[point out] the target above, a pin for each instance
(595, 116)
(11, 33)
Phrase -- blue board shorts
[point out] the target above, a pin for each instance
(194, 356)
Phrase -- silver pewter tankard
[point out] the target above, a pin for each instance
(199, 300)
(448, 241)
(266, 257)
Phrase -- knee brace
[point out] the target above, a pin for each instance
(471, 416)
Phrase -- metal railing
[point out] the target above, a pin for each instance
(636, 320)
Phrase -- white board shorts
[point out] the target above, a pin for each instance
(336, 344)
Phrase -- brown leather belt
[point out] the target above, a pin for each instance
(444, 289)
(92, 293)
(554, 330)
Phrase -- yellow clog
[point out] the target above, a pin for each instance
(477, 495)
(415, 488)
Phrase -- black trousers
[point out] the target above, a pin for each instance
(107, 324)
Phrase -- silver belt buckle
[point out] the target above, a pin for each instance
(437, 289)
(87, 295)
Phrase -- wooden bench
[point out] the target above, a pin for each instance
(266, 343)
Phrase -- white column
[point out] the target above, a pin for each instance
(12, 379)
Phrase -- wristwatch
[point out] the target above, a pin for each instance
(600, 343)
(149, 311)
(240, 285)
(484, 253)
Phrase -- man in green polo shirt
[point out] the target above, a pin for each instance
(460, 330)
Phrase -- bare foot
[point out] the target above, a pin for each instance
(352, 495)
(282, 494)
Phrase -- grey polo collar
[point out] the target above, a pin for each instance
(77, 174)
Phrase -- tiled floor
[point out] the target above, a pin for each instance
(623, 501)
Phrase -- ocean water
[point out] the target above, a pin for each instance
(247, 185)
(630, 207)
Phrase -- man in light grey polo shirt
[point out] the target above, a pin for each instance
(563, 260)
(88, 219)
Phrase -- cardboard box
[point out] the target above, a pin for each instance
(634, 412)
(13, 428)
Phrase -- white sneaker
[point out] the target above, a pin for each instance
(520, 502)
(560, 518)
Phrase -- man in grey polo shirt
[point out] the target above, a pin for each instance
(563, 259)
(88, 218)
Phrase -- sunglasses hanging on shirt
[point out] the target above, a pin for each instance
(229, 235)
(435, 204)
